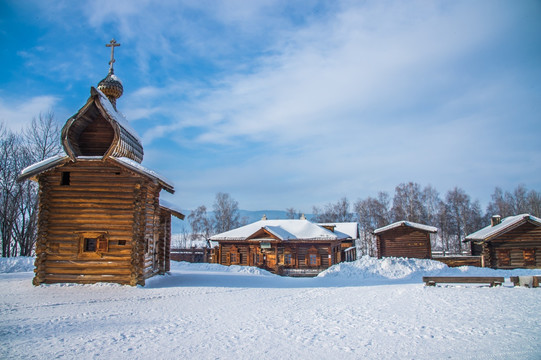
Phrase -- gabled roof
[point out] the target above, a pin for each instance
(171, 208)
(345, 229)
(427, 228)
(32, 171)
(285, 230)
(507, 224)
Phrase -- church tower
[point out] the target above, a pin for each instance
(100, 217)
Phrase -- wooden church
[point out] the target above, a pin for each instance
(100, 217)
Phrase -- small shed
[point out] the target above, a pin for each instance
(286, 247)
(405, 239)
(512, 242)
(100, 216)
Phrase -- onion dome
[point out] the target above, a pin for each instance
(111, 87)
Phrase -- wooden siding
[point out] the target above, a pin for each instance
(404, 242)
(103, 201)
(250, 253)
(518, 248)
(96, 138)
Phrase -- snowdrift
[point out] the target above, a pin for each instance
(412, 270)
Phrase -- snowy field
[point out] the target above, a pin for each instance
(370, 309)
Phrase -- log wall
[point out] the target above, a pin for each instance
(327, 254)
(100, 201)
(514, 248)
(404, 242)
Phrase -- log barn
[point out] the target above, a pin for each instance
(405, 239)
(100, 217)
(285, 247)
(509, 243)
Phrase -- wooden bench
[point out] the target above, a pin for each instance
(491, 280)
(528, 281)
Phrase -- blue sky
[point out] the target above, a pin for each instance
(295, 103)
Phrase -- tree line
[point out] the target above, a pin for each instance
(455, 214)
(19, 200)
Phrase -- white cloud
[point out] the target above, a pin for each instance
(19, 114)
(371, 96)
(318, 104)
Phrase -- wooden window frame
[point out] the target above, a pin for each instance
(503, 257)
(101, 246)
(233, 256)
(291, 254)
(313, 252)
(288, 259)
(528, 256)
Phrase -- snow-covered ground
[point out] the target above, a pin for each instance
(369, 309)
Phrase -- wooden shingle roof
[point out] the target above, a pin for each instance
(98, 129)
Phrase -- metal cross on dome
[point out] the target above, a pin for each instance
(112, 45)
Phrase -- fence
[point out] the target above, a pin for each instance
(193, 255)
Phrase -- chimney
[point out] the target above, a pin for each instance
(495, 220)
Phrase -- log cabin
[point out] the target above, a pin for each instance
(100, 215)
(509, 243)
(285, 247)
(405, 239)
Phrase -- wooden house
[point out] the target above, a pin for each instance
(512, 242)
(405, 239)
(100, 216)
(285, 247)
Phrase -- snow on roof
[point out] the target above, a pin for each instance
(505, 225)
(117, 115)
(345, 229)
(428, 228)
(283, 229)
(134, 165)
(58, 160)
(43, 165)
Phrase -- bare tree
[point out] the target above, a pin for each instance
(291, 213)
(371, 213)
(200, 223)
(499, 204)
(534, 203)
(460, 217)
(408, 203)
(43, 137)
(337, 212)
(10, 192)
(519, 201)
(226, 213)
(19, 201)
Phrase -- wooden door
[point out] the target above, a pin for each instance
(271, 260)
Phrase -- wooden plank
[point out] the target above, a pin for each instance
(492, 280)
(86, 279)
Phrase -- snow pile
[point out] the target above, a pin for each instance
(390, 268)
(16, 264)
